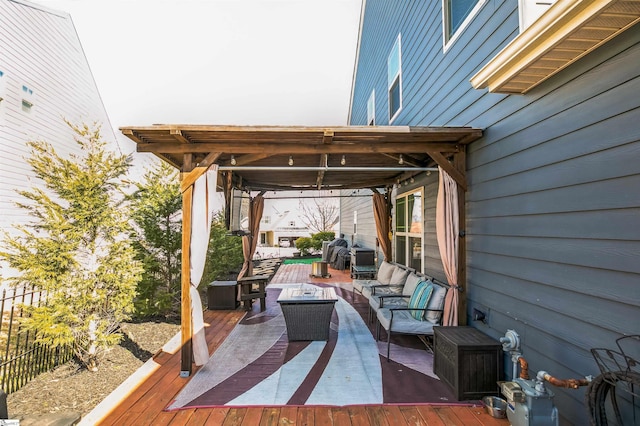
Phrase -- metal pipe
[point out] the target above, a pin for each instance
(322, 168)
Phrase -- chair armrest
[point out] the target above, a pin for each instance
(389, 296)
(373, 287)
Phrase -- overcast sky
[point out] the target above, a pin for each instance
(245, 62)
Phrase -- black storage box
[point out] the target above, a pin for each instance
(467, 360)
(362, 256)
(222, 295)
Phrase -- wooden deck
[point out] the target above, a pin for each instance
(145, 402)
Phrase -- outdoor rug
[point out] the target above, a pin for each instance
(257, 366)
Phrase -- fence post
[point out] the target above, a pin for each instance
(4, 412)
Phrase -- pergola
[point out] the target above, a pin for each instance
(271, 158)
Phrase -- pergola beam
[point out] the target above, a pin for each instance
(297, 148)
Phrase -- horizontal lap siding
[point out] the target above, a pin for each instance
(553, 206)
(40, 49)
(360, 201)
(553, 216)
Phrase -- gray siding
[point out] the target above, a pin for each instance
(40, 49)
(553, 223)
(358, 201)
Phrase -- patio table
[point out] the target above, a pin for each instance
(307, 312)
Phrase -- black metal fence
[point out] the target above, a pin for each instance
(21, 357)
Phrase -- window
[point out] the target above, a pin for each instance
(456, 16)
(371, 109)
(531, 10)
(394, 79)
(409, 229)
(27, 99)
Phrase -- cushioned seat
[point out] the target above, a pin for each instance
(389, 276)
(399, 319)
(397, 297)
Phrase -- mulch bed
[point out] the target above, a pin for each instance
(71, 388)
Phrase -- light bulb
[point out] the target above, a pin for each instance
(233, 160)
(343, 161)
(290, 160)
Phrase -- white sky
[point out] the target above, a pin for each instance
(245, 62)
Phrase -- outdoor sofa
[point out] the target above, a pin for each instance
(390, 301)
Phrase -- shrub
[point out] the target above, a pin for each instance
(319, 237)
(304, 244)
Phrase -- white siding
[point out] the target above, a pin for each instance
(41, 50)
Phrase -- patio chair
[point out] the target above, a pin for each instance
(400, 320)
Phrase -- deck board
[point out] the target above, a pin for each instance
(145, 404)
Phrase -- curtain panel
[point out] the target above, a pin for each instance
(448, 236)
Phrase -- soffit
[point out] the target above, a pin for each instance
(569, 30)
(371, 153)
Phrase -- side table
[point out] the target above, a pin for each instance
(253, 288)
(360, 272)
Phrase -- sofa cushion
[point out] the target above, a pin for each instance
(399, 276)
(384, 272)
(410, 284)
(359, 285)
(403, 322)
(420, 299)
(376, 300)
(436, 302)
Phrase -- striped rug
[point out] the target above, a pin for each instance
(257, 365)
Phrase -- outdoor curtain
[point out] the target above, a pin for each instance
(250, 242)
(448, 234)
(202, 208)
(383, 223)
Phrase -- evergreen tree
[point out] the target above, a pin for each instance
(76, 249)
(157, 212)
(224, 255)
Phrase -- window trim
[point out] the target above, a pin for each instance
(407, 234)
(397, 78)
(371, 109)
(526, 9)
(448, 41)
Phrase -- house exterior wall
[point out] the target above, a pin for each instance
(552, 207)
(357, 206)
(42, 62)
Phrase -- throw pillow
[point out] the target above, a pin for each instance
(436, 302)
(410, 284)
(420, 299)
(399, 276)
(384, 272)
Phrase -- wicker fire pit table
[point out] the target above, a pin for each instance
(307, 312)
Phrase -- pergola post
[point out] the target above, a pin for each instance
(459, 162)
(186, 327)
